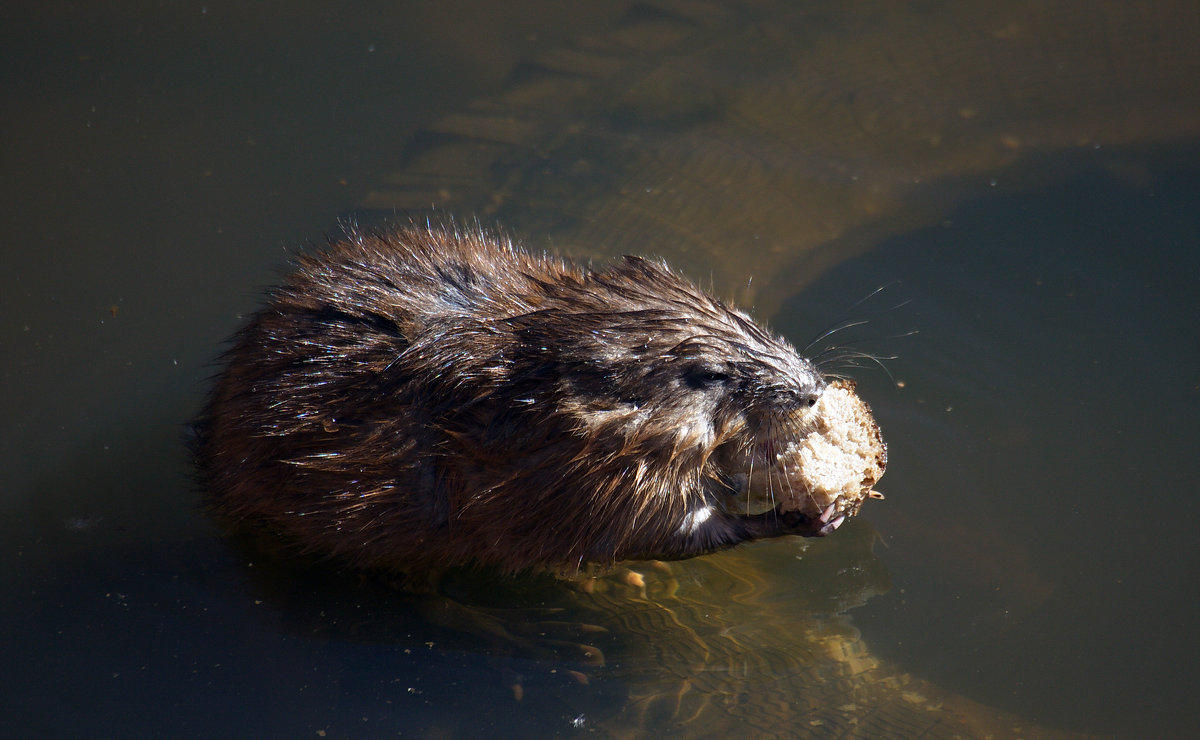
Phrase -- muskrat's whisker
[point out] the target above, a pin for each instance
(849, 357)
(848, 321)
(834, 330)
(748, 453)
(843, 351)
(877, 291)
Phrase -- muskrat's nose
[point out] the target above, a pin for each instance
(800, 398)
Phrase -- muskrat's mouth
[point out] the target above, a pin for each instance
(821, 462)
(765, 453)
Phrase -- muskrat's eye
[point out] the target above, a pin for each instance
(700, 376)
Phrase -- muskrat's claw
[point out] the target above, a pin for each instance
(828, 522)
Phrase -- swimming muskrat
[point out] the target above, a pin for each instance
(428, 397)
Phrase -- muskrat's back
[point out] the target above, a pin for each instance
(429, 397)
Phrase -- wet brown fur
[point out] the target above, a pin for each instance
(430, 397)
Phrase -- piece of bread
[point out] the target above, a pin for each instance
(837, 460)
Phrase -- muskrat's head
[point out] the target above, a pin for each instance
(699, 371)
(679, 394)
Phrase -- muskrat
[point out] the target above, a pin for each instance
(433, 396)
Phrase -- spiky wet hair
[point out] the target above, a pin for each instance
(436, 396)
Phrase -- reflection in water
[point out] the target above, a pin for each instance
(699, 647)
(704, 648)
(711, 647)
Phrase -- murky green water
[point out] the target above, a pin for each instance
(1041, 556)
(1034, 555)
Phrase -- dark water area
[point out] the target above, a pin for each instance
(1049, 408)
(1038, 333)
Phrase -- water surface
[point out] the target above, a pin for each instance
(1035, 553)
